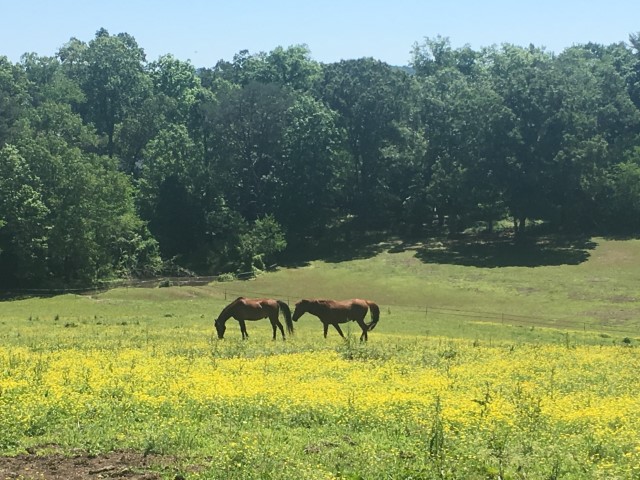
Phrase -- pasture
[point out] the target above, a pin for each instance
(483, 365)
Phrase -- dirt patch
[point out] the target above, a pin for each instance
(612, 317)
(527, 290)
(121, 465)
(622, 299)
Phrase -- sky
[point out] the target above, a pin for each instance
(204, 32)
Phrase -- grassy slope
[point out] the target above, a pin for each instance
(175, 324)
(598, 294)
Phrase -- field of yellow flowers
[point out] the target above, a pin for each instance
(401, 406)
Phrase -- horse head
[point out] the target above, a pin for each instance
(301, 308)
(220, 327)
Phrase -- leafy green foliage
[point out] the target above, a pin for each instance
(258, 245)
(111, 161)
(23, 232)
(13, 94)
(372, 102)
(442, 394)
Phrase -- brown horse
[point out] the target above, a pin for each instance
(243, 308)
(332, 312)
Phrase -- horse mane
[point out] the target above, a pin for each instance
(319, 301)
(311, 303)
(224, 314)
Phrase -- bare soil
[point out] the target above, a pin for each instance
(120, 465)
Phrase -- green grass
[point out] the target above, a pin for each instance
(596, 298)
(419, 287)
(463, 313)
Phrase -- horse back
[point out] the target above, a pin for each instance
(359, 307)
(252, 308)
(340, 310)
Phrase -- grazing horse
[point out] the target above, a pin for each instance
(243, 308)
(332, 312)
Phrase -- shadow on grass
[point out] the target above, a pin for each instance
(497, 252)
(486, 251)
(336, 247)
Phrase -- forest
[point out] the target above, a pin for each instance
(113, 165)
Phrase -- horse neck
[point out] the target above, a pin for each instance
(300, 310)
(223, 317)
(314, 308)
(227, 311)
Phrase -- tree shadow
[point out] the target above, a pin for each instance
(621, 236)
(15, 295)
(346, 243)
(336, 246)
(494, 252)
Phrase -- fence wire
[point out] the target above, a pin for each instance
(230, 294)
(482, 316)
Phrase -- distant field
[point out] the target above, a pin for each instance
(592, 285)
(464, 377)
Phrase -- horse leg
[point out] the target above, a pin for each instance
(275, 324)
(243, 329)
(279, 324)
(326, 329)
(364, 337)
(337, 327)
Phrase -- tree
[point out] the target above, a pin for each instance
(174, 99)
(623, 199)
(436, 54)
(408, 175)
(597, 123)
(23, 228)
(110, 70)
(258, 245)
(247, 130)
(468, 130)
(372, 100)
(49, 82)
(13, 96)
(290, 67)
(523, 80)
(309, 173)
(168, 192)
(175, 80)
(93, 231)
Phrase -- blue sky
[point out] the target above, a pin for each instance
(206, 31)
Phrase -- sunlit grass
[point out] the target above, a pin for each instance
(599, 291)
(504, 407)
(433, 394)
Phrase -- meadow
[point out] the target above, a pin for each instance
(498, 369)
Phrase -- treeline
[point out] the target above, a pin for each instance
(112, 165)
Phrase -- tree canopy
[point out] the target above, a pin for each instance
(112, 165)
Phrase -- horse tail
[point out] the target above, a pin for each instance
(375, 315)
(287, 315)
